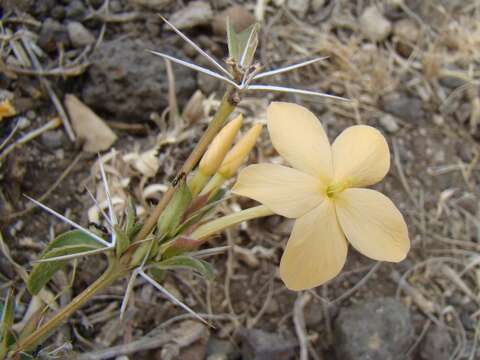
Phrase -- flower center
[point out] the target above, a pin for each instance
(337, 187)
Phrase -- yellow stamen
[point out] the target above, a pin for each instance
(338, 187)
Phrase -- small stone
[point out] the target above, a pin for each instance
(374, 25)
(194, 14)
(116, 6)
(406, 34)
(379, 329)
(207, 83)
(451, 81)
(75, 10)
(299, 6)
(318, 4)
(469, 203)
(151, 4)
(23, 123)
(218, 349)
(53, 139)
(31, 114)
(261, 345)
(58, 13)
(79, 35)
(130, 85)
(389, 123)
(403, 106)
(239, 16)
(438, 344)
(52, 33)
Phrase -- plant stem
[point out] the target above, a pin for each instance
(228, 104)
(224, 222)
(113, 272)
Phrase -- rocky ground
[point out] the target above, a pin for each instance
(412, 68)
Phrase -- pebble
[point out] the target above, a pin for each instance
(58, 13)
(437, 344)
(151, 4)
(207, 83)
(218, 349)
(374, 25)
(261, 345)
(23, 122)
(130, 84)
(194, 14)
(79, 35)
(379, 329)
(239, 16)
(406, 34)
(53, 139)
(75, 10)
(51, 33)
(389, 124)
(299, 6)
(403, 106)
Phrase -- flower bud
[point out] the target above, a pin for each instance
(239, 152)
(219, 147)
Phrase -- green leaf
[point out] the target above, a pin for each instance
(69, 243)
(187, 262)
(122, 240)
(173, 214)
(131, 216)
(8, 315)
(237, 42)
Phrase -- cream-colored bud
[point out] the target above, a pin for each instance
(239, 152)
(219, 147)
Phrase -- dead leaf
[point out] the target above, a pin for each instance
(89, 126)
(6, 109)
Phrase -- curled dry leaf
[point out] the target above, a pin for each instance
(6, 109)
(89, 126)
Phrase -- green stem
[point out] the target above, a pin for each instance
(216, 225)
(113, 272)
(228, 104)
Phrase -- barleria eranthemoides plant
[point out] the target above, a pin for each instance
(320, 191)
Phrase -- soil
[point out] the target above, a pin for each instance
(416, 78)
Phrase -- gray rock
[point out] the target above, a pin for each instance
(299, 6)
(380, 329)
(130, 83)
(58, 13)
(52, 33)
(75, 10)
(260, 345)
(403, 106)
(437, 344)
(79, 35)
(389, 124)
(194, 14)
(151, 4)
(374, 25)
(53, 139)
(218, 349)
(207, 83)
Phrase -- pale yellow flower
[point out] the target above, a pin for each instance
(323, 192)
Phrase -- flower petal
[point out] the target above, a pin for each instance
(299, 138)
(283, 190)
(372, 224)
(316, 250)
(360, 156)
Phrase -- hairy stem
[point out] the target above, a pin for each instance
(113, 272)
(227, 105)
